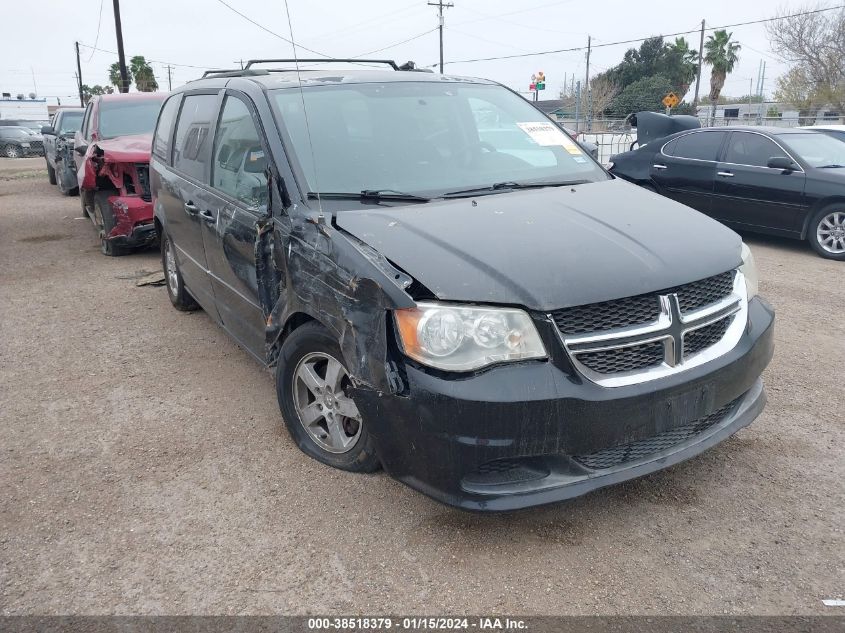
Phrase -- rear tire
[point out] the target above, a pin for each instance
(51, 173)
(105, 215)
(179, 295)
(312, 385)
(826, 232)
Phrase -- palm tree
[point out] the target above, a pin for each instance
(721, 54)
(145, 80)
(689, 62)
(114, 77)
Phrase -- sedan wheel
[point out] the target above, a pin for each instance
(830, 232)
(327, 414)
(12, 151)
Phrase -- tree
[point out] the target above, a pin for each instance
(114, 77)
(815, 44)
(643, 94)
(89, 91)
(602, 93)
(145, 80)
(722, 55)
(681, 62)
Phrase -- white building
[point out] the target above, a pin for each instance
(771, 112)
(23, 109)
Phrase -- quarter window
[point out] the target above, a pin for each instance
(698, 145)
(239, 158)
(751, 149)
(191, 147)
(161, 141)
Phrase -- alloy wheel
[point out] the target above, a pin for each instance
(11, 151)
(831, 232)
(170, 268)
(327, 414)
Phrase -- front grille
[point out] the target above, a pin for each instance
(506, 471)
(706, 336)
(143, 170)
(614, 361)
(633, 451)
(36, 145)
(641, 309)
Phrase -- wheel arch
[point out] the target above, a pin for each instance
(818, 206)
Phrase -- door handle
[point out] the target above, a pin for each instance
(190, 208)
(659, 166)
(207, 215)
(726, 174)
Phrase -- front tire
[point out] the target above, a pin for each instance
(11, 151)
(179, 295)
(51, 173)
(826, 232)
(313, 387)
(105, 215)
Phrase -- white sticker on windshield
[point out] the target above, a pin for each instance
(548, 134)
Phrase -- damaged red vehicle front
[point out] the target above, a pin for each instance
(112, 154)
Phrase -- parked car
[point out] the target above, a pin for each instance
(112, 155)
(836, 131)
(782, 181)
(19, 142)
(498, 323)
(34, 126)
(58, 148)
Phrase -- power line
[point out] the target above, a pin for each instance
(97, 38)
(641, 39)
(154, 61)
(264, 28)
(410, 39)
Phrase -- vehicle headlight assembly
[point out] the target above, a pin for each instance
(456, 337)
(749, 271)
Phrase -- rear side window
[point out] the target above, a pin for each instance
(239, 159)
(161, 140)
(751, 149)
(698, 145)
(192, 145)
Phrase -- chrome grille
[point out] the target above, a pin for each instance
(617, 360)
(706, 336)
(609, 315)
(633, 451)
(645, 337)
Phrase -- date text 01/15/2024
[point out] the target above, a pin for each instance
(417, 623)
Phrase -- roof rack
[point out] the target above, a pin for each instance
(327, 60)
(234, 72)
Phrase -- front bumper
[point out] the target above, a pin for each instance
(134, 225)
(513, 436)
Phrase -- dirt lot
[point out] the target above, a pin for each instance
(145, 469)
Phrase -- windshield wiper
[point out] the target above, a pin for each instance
(379, 195)
(511, 186)
(834, 166)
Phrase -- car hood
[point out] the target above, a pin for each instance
(127, 149)
(549, 248)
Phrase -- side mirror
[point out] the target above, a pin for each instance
(782, 162)
(47, 129)
(81, 149)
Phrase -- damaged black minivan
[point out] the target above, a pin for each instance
(449, 287)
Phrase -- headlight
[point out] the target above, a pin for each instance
(749, 270)
(461, 338)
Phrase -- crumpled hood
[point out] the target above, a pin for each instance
(127, 149)
(549, 248)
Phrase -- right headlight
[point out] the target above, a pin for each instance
(458, 337)
(749, 271)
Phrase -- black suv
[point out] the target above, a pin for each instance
(58, 148)
(449, 287)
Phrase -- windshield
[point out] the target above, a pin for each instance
(426, 138)
(122, 118)
(816, 149)
(70, 122)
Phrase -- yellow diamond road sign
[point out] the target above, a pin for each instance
(671, 100)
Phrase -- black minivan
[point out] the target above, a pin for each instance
(449, 287)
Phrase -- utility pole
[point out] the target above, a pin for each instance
(577, 107)
(169, 82)
(121, 58)
(762, 88)
(79, 76)
(587, 85)
(440, 6)
(698, 74)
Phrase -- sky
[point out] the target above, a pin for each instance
(195, 35)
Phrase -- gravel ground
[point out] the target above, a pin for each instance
(145, 470)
